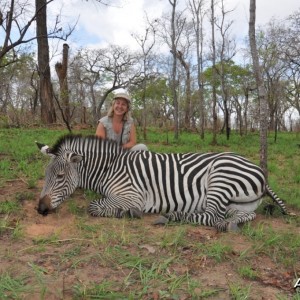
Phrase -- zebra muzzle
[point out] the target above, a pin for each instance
(44, 205)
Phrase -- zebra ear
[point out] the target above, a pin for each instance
(45, 149)
(75, 158)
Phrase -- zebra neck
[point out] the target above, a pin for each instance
(98, 159)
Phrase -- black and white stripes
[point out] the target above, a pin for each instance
(214, 189)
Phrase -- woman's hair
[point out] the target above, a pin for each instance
(110, 112)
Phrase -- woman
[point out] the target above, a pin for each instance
(118, 125)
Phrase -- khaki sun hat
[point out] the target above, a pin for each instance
(123, 96)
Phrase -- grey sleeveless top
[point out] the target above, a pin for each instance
(112, 135)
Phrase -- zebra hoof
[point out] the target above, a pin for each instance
(135, 213)
(233, 227)
(161, 220)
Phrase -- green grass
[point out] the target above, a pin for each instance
(239, 291)
(247, 272)
(12, 286)
(216, 250)
(138, 261)
(281, 247)
(7, 207)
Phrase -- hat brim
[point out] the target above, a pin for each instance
(122, 96)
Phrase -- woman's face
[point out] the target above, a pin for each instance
(120, 106)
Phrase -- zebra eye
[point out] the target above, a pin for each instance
(60, 175)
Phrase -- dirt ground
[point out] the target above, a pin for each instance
(44, 254)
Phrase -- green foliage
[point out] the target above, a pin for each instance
(103, 290)
(11, 287)
(273, 243)
(216, 250)
(239, 291)
(247, 272)
(75, 209)
(174, 240)
(7, 207)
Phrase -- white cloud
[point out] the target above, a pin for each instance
(100, 25)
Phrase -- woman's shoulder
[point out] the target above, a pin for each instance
(105, 120)
(130, 121)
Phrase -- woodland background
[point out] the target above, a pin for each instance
(189, 74)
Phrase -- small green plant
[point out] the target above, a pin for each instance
(12, 287)
(216, 250)
(254, 232)
(247, 272)
(103, 290)
(24, 196)
(31, 183)
(7, 207)
(40, 276)
(75, 209)
(4, 225)
(239, 291)
(72, 252)
(18, 232)
(198, 292)
(91, 195)
(175, 239)
(6, 169)
(54, 238)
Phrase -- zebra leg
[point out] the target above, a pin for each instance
(205, 218)
(176, 216)
(214, 212)
(98, 208)
(233, 218)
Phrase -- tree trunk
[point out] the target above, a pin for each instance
(198, 13)
(246, 110)
(261, 90)
(62, 71)
(48, 115)
(188, 101)
(174, 70)
(214, 91)
(144, 106)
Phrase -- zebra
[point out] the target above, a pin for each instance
(212, 189)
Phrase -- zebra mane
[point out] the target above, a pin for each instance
(70, 138)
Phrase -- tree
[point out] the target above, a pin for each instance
(174, 39)
(105, 70)
(18, 99)
(227, 51)
(15, 27)
(48, 114)
(196, 8)
(61, 69)
(146, 42)
(237, 82)
(16, 19)
(214, 74)
(261, 90)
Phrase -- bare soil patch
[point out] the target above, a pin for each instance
(67, 253)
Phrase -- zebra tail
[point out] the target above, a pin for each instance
(277, 200)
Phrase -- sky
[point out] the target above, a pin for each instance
(100, 25)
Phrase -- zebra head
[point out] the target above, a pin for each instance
(61, 178)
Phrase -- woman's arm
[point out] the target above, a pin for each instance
(100, 131)
(132, 138)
